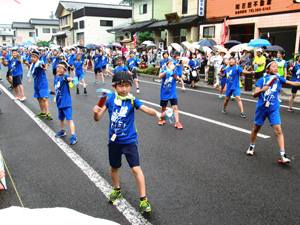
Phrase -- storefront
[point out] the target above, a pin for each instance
(275, 20)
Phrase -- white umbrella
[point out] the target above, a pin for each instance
(147, 43)
(240, 47)
(177, 47)
(187, 44)
(220, 48)
(206, 49)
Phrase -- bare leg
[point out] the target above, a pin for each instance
(254, 132)
(114, 173)
(136, 83)
(140, 180)
(292, 99)
(72, 126)
(239, 102)
(16, 91)
(96, 77)
(175, 109)
(279, 136)
(163, 109)
(21, 89)
(226, 101)
(63, 125)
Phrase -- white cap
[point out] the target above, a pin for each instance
(259, 50)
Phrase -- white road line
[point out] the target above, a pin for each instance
(212, 121)
(210, 93)
(129, 212)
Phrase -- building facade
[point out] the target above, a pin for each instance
(35, 30)
(275, 20)
(91, 23)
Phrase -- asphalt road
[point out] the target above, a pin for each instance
(198, 175)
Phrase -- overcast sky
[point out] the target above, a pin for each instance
(11, 11)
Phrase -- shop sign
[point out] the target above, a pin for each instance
(253, 7)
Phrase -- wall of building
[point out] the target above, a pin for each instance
(45, 36)
(136, 11)
(192, 7)
(161, 8)
(94, 33)
(7, 42)
(24, 34)
(69, 40)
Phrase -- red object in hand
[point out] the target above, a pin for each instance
(291, 64)
(271, 81)
(102, 100)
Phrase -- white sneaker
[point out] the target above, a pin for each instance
(251, 150)
(23, 98)
(137, 91)
(284, 159)
(183, 88)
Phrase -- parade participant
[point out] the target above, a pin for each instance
(79, 73)
(282, 68)
(54, 59)
(123, 134)
(64, 102)
(70, 61)
(162, 62)
(194, 66)
(178, 69)
(223, 79)
(120, 67)
(17, 74)
(259, 64)
(104, 63)
(7, 59)
(40, 85)
(233, 73)
(98, 66)
(168, 92)
(217, 64)
(295, 70)
(268, 106)
(132, 65)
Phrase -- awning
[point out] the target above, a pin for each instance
(138, 26)
(189, 21)
(117, 28)
(61, 34)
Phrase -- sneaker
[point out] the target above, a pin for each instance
(40, 114)
(290, 110)
(61, 133)
(84, 91)
(95, 82)
(137, 91)
(23, 98)
(103, 82)
(178, 125)
(11, 88)
(145, 206)
(17, 97)
(161, 122)
(232, 98)
(243, 115)
(77, 92)
(284, 159)
(251, 150)
(49, 116)
(220, 96)
(73, 140)
(183, 88)
(114, 195)
(224, 111)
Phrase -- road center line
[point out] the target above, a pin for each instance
(211, 121)
(129, 212)
(210, 93)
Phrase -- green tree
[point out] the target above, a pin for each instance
(144, 37)
(43, 43)
(126, 2)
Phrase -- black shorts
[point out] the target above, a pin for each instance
(164, 103)
(116, 151)
(295, 89)
(8, 73)
(17, 80)
(259, 74)
(98, 70)
(103, 67)
(54, 71)
(70, 69)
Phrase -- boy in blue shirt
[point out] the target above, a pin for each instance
(164, 60)
(70, 61)
(223, 79)
(233, 73)
(40, 85)
(98, 66)
(295, 70)
(55, 60)
(178, 69)
(79, 73)
(104, 62)
(6, 61)
(268, 106)
(123, 134)
(132, 65)
(120, 67)
(168, 92)
(17, 74)
(194, 65)
(63, 101)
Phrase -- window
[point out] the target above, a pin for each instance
(4, 44)
(81, 24)
(31, 34)
(184, 6)
(54, 30)
(4, 38)
(106, 23)
(208, 32)
(75, 25)
(66, 20)
(46, 30)
(143, 9)
(37, 32)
